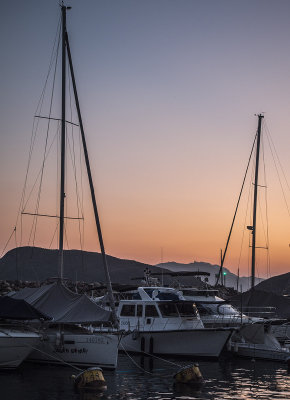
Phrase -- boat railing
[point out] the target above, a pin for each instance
(259, 312)
(225, 321)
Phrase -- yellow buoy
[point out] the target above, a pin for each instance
(90, 379)
(190, 374)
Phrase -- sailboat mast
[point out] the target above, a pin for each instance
(62, 171)
(260, 117)
(93, 197)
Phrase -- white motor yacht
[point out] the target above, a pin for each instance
(159, 320)
(215, 311)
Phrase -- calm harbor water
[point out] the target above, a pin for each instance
(234, 379)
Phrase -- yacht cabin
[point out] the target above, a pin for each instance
(157, 308)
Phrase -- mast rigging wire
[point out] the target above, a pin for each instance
(44, 155)
(277, 171)
(266, 231)
(235, 213)
(14, 229)
(35, 124)
(32, 141)
(38, 175)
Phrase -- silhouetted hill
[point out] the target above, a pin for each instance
(254, 299)
(279, 284)
(38, 264)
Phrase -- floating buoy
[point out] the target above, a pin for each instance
(90, 379)
(190, 375)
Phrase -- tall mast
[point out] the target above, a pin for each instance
(93, 197)
(260, 116)
(63, 138)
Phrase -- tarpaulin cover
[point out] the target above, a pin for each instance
(63, 305)
(19, 309)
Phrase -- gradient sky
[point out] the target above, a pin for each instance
(169, 90)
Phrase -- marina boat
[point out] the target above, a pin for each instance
(254, 338)
(81, 332)
(16, 343)
(255, 341)
(67, 338)
(75, 344)
(17, 339)
(282, 333)
(159, 320)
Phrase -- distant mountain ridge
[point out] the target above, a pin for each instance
(212, 269)
(38, 264)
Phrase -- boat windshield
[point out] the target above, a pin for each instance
(207, 309)
(216, 309)
(181, 309)
(227, 309)
(168, 295)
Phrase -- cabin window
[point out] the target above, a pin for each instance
(168, 296)
(128, 310)
(151, 311)
(139, 310)
(204, 309)
(168, 310)
(187, 309)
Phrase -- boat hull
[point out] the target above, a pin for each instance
(15, 348)
(259, 351)
(189, 343)
(98, 349)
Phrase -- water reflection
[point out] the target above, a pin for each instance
(146, 378)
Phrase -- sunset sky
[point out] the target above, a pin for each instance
(169, 90)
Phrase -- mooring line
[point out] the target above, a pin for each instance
(138, 366)
(154, 356)
(58, 359)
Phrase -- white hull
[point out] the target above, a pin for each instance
(191, 343)
(97, 349)
(15, 347)
(260, 351)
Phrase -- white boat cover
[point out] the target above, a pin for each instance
(64, 306)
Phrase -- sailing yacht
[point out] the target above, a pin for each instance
(70, 337)
(255, 338)
(67, 338)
